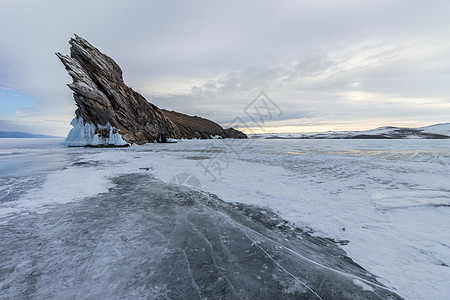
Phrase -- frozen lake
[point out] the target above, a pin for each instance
(233, 219)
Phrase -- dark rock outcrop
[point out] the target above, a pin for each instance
(231, 133)
(192, 126)
(197, 127)
(107, 107)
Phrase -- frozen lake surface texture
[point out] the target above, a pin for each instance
(226, 219)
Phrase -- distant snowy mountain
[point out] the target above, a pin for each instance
(438, 131)
(443, 129)
(19, 134)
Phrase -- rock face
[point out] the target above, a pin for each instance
(111, 113)
(201, 128)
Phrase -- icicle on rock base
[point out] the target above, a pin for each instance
(87, 134)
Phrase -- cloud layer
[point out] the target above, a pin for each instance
(327, 64)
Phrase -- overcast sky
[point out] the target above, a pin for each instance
(326, 64)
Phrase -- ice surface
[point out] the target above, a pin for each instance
(83, 134)
(386, 201)
(390, 199)
(148, 240)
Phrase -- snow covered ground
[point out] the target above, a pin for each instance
(386, 201)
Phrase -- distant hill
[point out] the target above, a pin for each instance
(438, 131)
(19, 134)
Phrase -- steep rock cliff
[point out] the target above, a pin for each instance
(111, 113)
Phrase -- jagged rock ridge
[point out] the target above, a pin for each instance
(110, 112)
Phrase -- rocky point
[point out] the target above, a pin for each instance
(111, 113)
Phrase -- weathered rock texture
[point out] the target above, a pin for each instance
(102, 97)
(196, 127)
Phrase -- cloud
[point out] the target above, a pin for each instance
(211, 59)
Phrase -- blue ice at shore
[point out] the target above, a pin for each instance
(84, 134)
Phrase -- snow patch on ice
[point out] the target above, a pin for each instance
(60, 187)
(84, 133)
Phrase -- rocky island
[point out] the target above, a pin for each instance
(110, 113)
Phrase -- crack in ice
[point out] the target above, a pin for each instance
(281, 267)
(218, 268)
(190, 273)
(239, 226)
